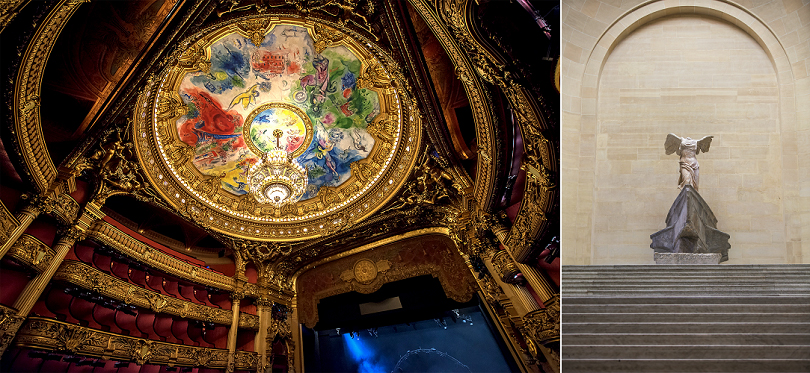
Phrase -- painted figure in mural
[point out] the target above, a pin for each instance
(687, 149)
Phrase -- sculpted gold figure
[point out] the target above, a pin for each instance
(687, 149)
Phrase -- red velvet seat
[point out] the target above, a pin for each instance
(59, 304)
(180, 331)
(163, 328)
(170, 286)
(218, 336)
(146, 324)
(83, 311)
(150, 368)
(120, 270)
(155, 283)
(138, 277)
(195, 332)
(127, 323)
(102, 262)
(106, 318)
(187, 292)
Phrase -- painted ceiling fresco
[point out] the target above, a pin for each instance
(215, 125)
(286, 72)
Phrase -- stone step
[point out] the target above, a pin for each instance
(712, 351)
(685, 339)
(686, 308)
(793, 280)
(736, 365)
(686, 292)
(685, 267)
(568, 299)
(683, 327)
(682, 317)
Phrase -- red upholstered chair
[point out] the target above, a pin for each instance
(82, 310)
(180, 331)
(41, 309)
(120, 270)
(59, 304)
(218, 336)
(146, 324)
(127, 323)
(131, 368)
(163, 328)
(54, 366)
(221, 300)
(195, 332)
(202, 296)
(150, 368)
(244, 339)
(137, 277)
(102, 262)
(170, 286)
(106, 318)
(155, 282)
(187, 292)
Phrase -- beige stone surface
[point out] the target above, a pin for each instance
(638, 70)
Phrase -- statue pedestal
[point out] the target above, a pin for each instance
(687, 258)
(691, 229)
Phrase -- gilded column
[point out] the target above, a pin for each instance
(28, 297)
(264, 308)
(24, 217)
(236, 299)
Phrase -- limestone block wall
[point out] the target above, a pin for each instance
(634, 71)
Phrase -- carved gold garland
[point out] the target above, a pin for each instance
(479, 95)
(9, 324)
(373, 181)
(7, 222)
(27, 91)
(543, 325)
(93, 279)
(42, 333)
(32, 252)
(448, 19)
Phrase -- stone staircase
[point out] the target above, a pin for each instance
(686, 318)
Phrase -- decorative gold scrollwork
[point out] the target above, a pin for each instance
(50, 334)
(9, 324)
(542, 326)
(32, 252)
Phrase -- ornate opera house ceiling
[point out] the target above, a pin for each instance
(276, 129)
(279, 134)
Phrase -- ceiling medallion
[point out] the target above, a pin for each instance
(275, 131)
(277, 178)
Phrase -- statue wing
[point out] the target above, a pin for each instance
(672, 144)
(703, 144)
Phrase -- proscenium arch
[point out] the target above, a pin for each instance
(721, 9)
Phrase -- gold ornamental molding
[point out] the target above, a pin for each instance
(542, 326)
(111, 236)
(7, 222)
(475, 64)
(9, 324)
(32, 252)
(480, 96)
(27, 92)
(52, 335)
(90, 278)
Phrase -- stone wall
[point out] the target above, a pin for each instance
(634, 71)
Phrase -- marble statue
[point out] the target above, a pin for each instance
(687, 149)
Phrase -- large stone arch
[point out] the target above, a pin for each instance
(580, 157)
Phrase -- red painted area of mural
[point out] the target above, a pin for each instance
(212, 121)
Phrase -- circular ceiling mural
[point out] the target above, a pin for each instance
(277, 129)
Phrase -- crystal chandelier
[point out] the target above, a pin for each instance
(277, 179)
